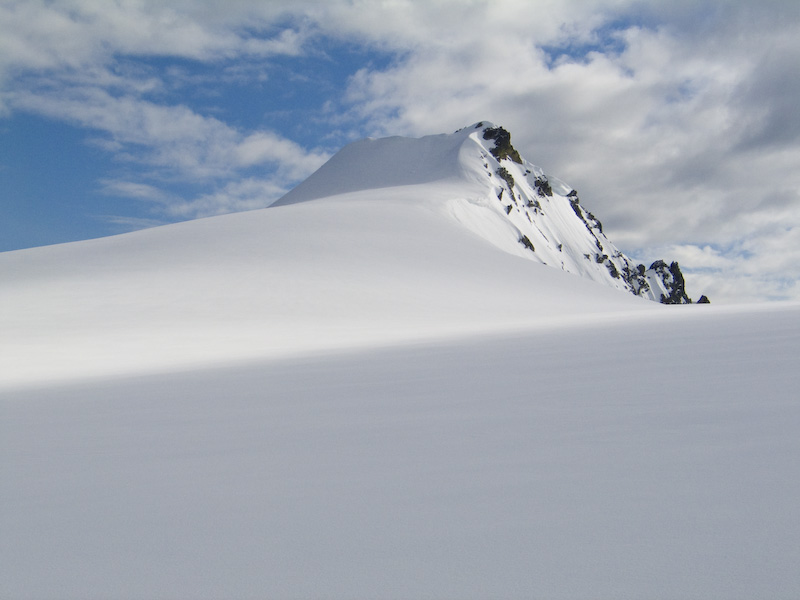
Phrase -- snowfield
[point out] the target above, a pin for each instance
(365, 395)
(346, 271)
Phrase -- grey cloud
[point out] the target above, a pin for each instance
(770, 98)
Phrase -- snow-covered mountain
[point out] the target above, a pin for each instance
(375, 390)
(500, 196)
(359, 269)
(392, 240)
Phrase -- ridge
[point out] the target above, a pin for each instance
(498, 195)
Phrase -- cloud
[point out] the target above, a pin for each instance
(248, 193)
(170, 137)
(38, 34)
(79, 61)
(267, 147)
(132, 189)
(765, 265)
(245, 194)
(174, 140)
(126, 224)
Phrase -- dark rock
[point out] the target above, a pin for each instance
(503, 174)
(634, 276)
(612, 269)
(543, 187)
(673, 281)
(502, 144)
(525, 241)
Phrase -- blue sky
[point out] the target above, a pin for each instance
(676, 122)
(65, 180)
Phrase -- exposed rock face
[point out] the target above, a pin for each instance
(672, 280)
(534, 202)
(502, 148)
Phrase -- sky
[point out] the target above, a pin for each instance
(676, 121)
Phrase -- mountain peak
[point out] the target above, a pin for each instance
(502, 148)
(500, 196)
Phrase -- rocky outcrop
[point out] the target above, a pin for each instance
(502, 144)
(672, 281)
(539, 211)
(500, 196)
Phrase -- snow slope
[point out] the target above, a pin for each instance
(653, 459)
(346, 271)
(502, 197)
(372, 394)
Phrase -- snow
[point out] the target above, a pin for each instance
(616, 460)
(363, 395)
(346, 271)
(498, 199)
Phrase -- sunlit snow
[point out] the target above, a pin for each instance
(364, 394)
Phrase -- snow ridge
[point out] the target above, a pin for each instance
(499, 196)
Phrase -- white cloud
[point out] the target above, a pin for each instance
(126, 224)
(75, 61)
(37, 34)
(172, 137)
(764, 265)
(132, 189)
(267, 147)
(248, 193)
(245, 194)
(174, 140)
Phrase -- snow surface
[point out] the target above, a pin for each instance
(654, 459)
(366, 396)
(503, 201)
(346, 271)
